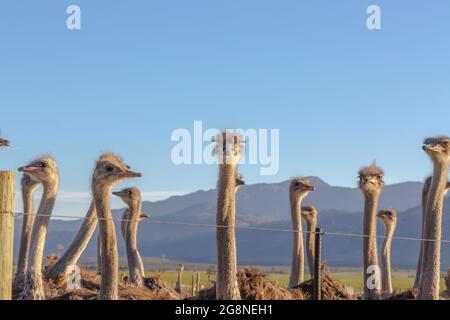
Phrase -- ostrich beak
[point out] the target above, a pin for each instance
(240, 182)
(4, 143)
(309, 188)
(28, 169)
(429, 147)
(381, 214)
(133, 174)
(116, 193)
(144, 215)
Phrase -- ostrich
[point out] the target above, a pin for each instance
(109, 170)
(129, 227)
(309, 214)
(371, 183)
(178, 286)
(228, 151)
(29, 186)
(389, 218)
(438, 149)
(299, 189)
(45, 171)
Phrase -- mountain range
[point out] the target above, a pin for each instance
(267, 206)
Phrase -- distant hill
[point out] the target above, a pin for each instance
(267, 205)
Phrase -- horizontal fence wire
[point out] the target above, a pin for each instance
(213, 226)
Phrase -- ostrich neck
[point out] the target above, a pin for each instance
(134, 259)
(124, 223)
(226, 192)
(27, 228)
(430, 275)
(227, 285)
(310, 243)
(76, 248)
(370, 241)
(386, 257)
(132, 225)
(27, 196)
(297, 265)
(110, 256)
(425, 192)
(40, 225)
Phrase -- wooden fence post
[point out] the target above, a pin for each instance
(7, 193)
(193, 285)
(317, 281)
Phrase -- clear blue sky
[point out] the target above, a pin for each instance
(340, 94)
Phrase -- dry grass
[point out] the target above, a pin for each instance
(331, 288)
(155, 289)
(253, 285)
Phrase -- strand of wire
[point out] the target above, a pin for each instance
(210, 226)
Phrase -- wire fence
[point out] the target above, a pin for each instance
(237, 227)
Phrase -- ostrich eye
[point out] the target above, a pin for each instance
(43, 165)
(110, 168)
(297, 184)
(445, 144)
(130, 192)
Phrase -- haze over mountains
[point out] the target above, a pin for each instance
(267, 205)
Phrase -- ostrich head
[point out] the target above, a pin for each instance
(4, 143)
(28, 183)
(110, 170)
(131, 196)
(300, 187)
(181, 267)
(144, 216)
(239, 180)
(371, 179)
(388, 216)
(309, 213)
(44, 169)
(438, 148)
(229, 148)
